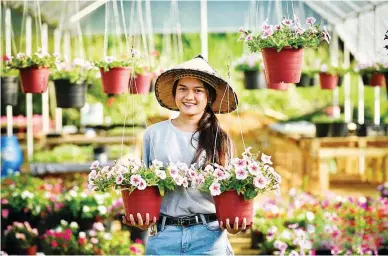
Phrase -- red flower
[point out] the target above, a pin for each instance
(54, 244)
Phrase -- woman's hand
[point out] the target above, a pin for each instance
(235, 228)
(140, 224)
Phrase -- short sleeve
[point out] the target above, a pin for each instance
(146, 148)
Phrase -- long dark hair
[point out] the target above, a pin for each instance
(210, 133)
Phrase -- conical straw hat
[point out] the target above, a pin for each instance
(226, 99)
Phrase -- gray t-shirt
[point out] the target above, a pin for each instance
(166, 143)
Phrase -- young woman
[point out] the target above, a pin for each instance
(188, 223)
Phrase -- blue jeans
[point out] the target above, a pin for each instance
(204, 238)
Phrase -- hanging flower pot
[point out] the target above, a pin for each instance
(284, 66)
(141, 84)
(277, 86)
(377, 79)
(328, 81)
(305, 81)
(115, 80)
(144, 201)
(69, 95)
(34, 80)
(9, 91)
(254, 80)
(230, 205)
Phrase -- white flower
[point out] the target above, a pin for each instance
(266, 159)
(253, 168)
(192, 174)
(119, 179)
(185, 183)
(260, 182)
(215, 189)
(299, 31)
(85, 208)
(110, 59)
(94, 165)
(92, 175)
(161, 174)
(107, 236)
(280, 245)
(92, 232)
(98, 226)
(94, 240)
(310, 228)
(64, 223)
(102, 209)
(91, 187)
(267, 33)
(241, 164)
(200, 179)
(249, 37)
(182, 166)
(20, 55)
(241, 29)
(73, 224)
(178, 180)
(265, 25)
(122, 169)
(294, 253)
(310, 20)
(287, 22)
(173, 172)
(135, 180)
(26, 194)
(72, 193)
(209, 168)
(78, 62)
(310, 216)
(241, 174)
(157, 164)
(82, 234)
(219, 174)
(142, 185)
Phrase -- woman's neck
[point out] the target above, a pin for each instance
(187, 123)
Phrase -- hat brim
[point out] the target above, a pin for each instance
(226, 99)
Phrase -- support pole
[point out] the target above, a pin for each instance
(8, 53)
(334, 62)
(204, 38)
(30, 139)
(347, 102)
(45, 96)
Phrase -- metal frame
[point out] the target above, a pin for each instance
(327, 16)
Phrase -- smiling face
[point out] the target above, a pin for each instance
(191, 96)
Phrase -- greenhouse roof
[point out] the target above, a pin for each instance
(360, 24)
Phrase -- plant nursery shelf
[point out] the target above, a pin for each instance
(312, 160)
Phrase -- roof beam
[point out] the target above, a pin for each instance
(352, 5)
(335, 9)
(327, 16)
(367, 9)
(87, 10)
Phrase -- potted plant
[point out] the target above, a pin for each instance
(21, 238)
(114, 74)
(34, 70)
(307, 78)
(141, 82)
(141, 188)
(9, 84)
(251, 65)
(234, 187)
(330, 77)
(372, 73)
(327, 126)
(71, 81)
(282, 47)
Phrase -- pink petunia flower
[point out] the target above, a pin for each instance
(94, 165)
(278, 27)
(265, 26)
(241, 174)
(253, 168)
(266, 159)
(260, 182)
(4, 213)
(174, 172)
(287, 22)
(267, 33)
(215, 189)
(249, 37)
(142, 185)
(310, 21)
(119, 179)
(135, 180)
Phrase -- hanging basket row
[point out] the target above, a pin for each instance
(118, 81)
(374, 79)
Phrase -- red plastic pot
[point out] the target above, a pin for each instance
(284, 66)
(377, 79)
(328, 81)
(144, 201)
(115, 81)
(141, 84)
(277, 86)
(34, 80)
(31, 250)
(230, 205)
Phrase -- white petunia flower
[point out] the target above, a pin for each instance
(215, 189)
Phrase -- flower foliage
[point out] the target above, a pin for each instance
(247, 175)
(134, 175)
(251, 62)
(289, 33)
(77, 72)
(21, 234)
(35, 60)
